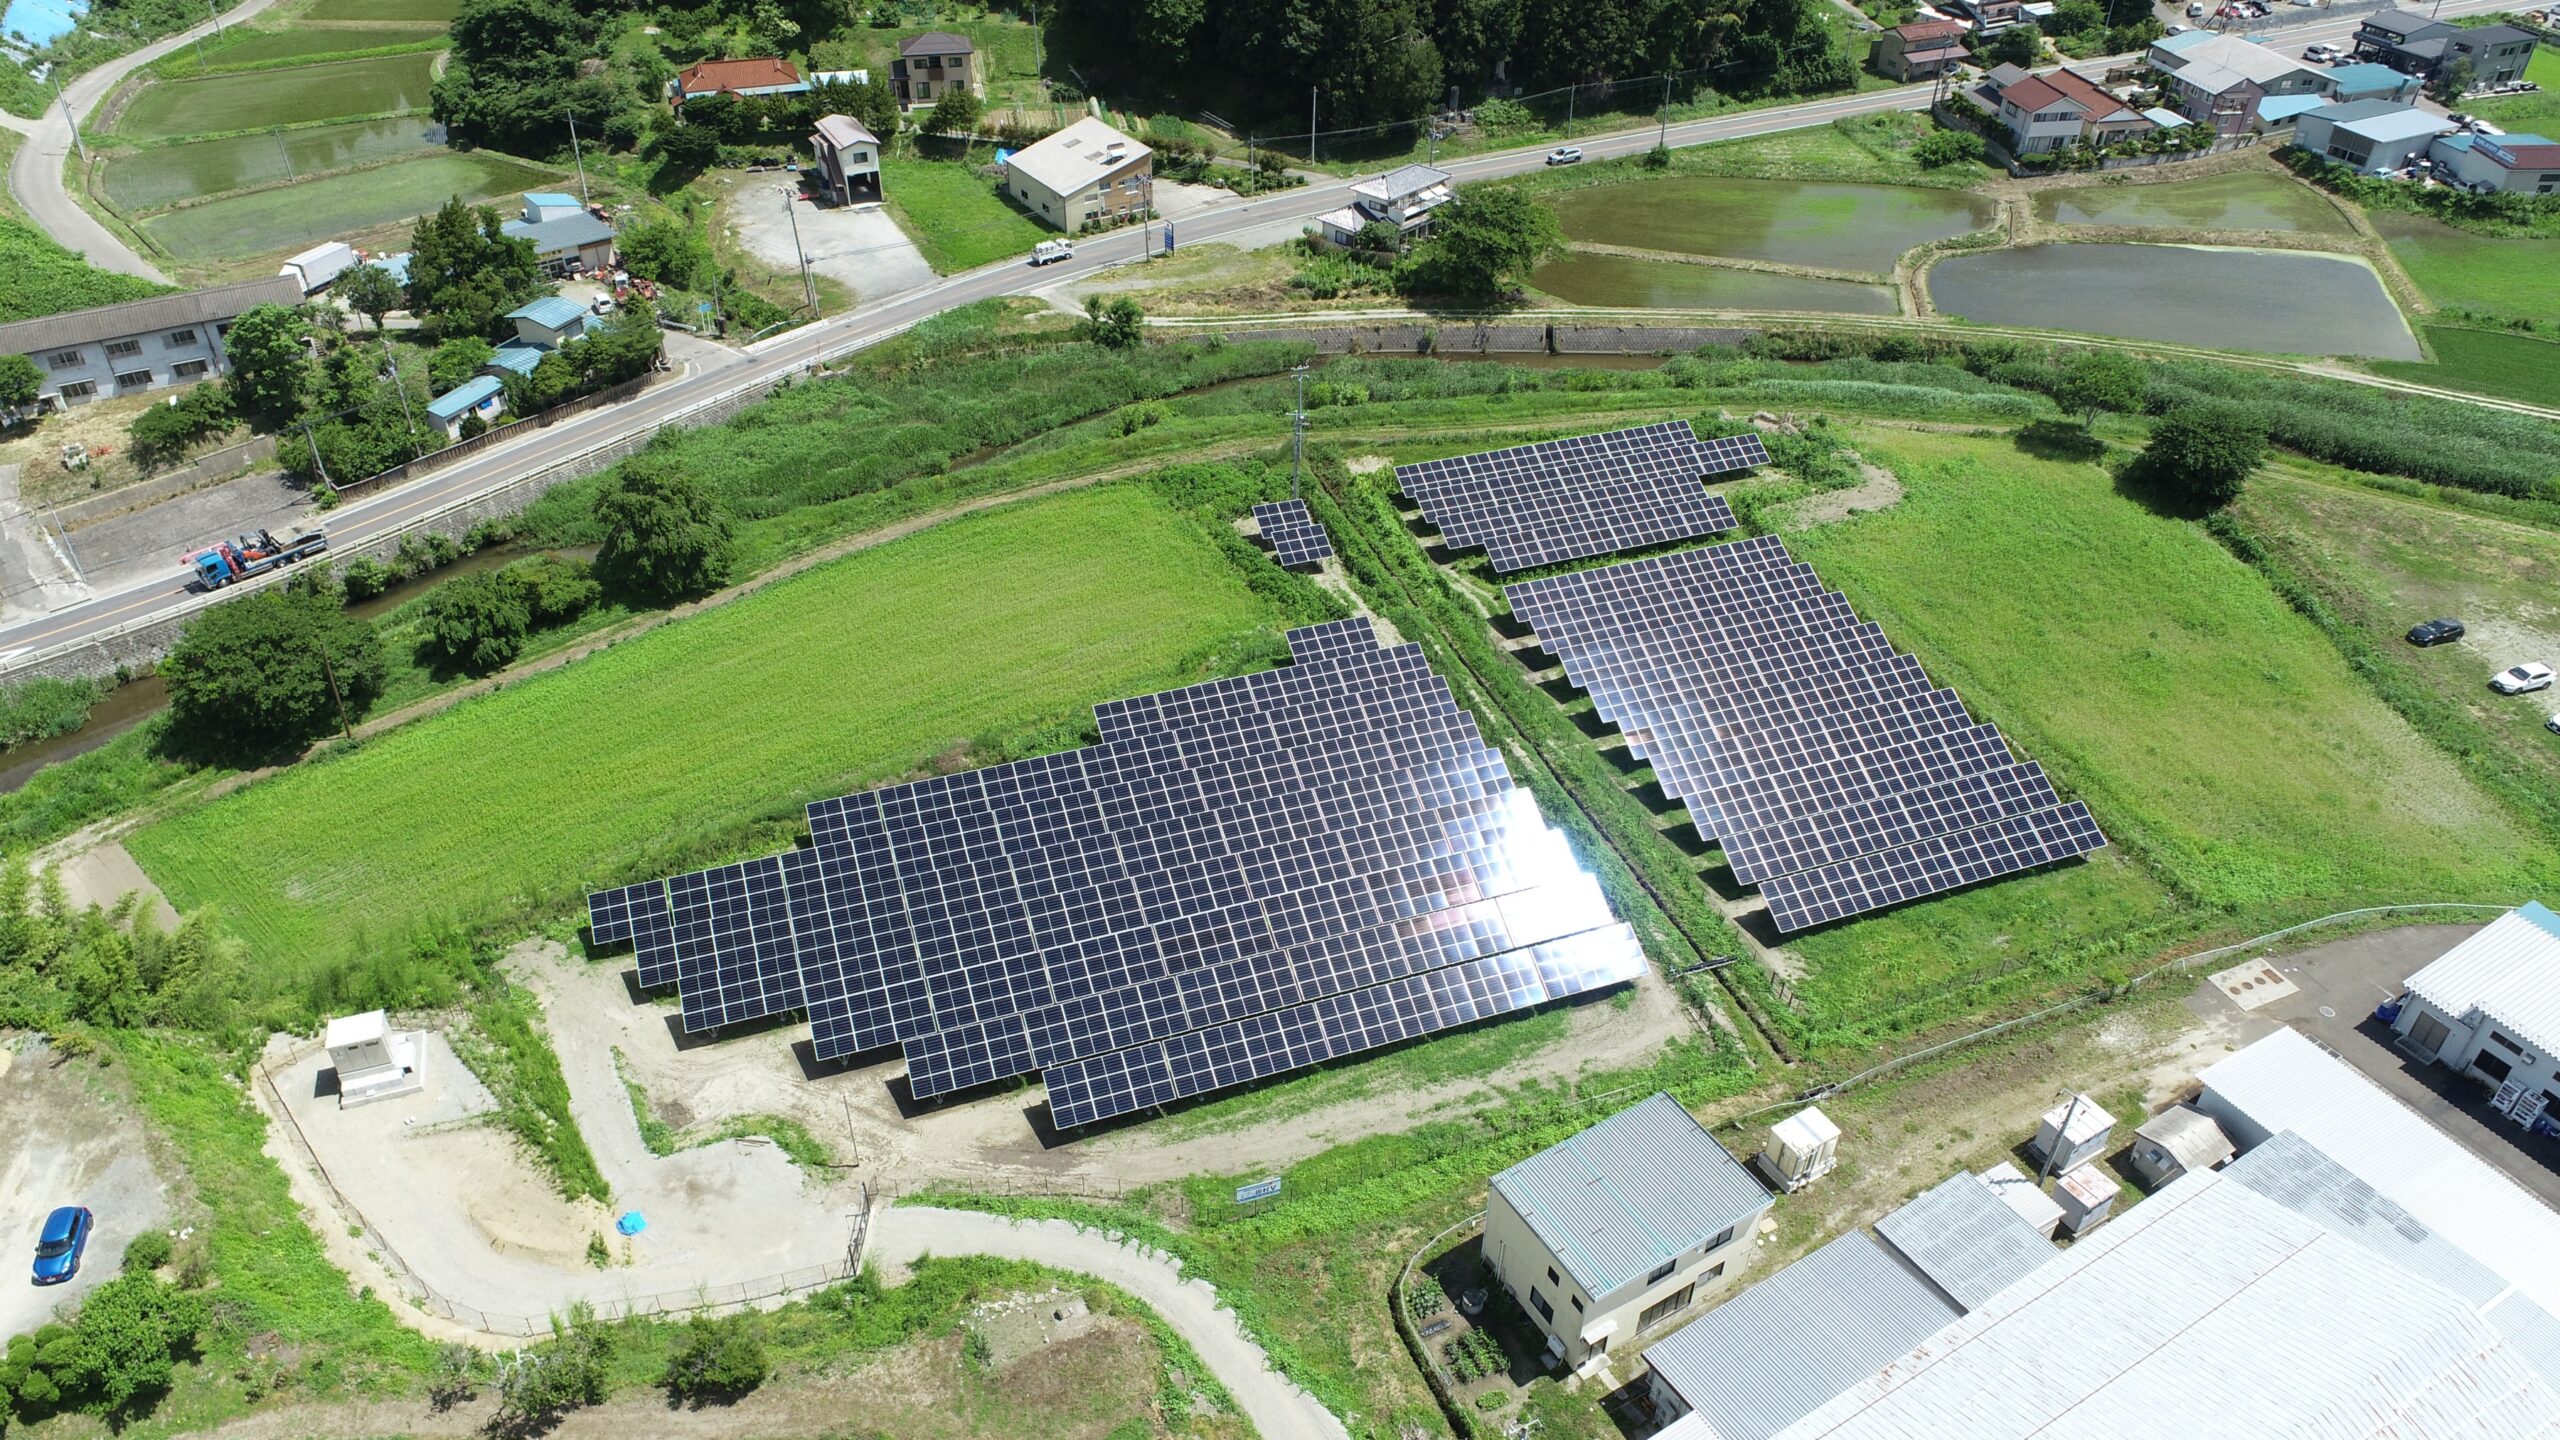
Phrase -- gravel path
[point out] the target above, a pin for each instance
(1278, 1409)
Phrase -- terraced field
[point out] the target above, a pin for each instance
(293, 96)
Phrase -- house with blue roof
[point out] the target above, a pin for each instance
(513, 358)
(566, 238)
(2368, 81)
(550, 322)
(2489, 1008)
(1620, 1229)
(481, 395)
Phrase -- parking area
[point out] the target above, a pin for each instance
(858, 245)
(2334, 987)
(73, 1139)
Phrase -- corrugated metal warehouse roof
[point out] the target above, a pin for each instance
(2285, 1082)
(1646, 1185)
(1966, 1239)
(1765, 1358)
(2206, 1311)
(2509, 969)
(2293, 1172)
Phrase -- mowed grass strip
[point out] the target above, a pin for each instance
(2164, 682)
(164, 175)
(294, 96)
(954, 214)
(2485, 362)
(314, 210)
(840, 678)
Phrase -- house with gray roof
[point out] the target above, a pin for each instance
(139, 345)
(2373, 136)
(1620, 1229)
(565, 237)
(1403, 197)
(2421, 45)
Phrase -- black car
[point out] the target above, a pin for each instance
(2435, 632)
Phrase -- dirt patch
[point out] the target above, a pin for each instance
(1877, 489)
(1367, 464)
(74, 1138)
(102, 873)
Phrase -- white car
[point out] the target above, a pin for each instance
(1050, 252)
(2522, 680)
(2552, 724)
(1565, 155)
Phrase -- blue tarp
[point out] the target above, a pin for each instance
(43, 21)
(631, 1223)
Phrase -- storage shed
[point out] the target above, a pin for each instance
(2085, 1195)
(369, 1061)
(2074, 1133)
(2175, 1141)
(1802, 1149)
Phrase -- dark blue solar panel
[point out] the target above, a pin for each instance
(1570, 499)
(1292, 531)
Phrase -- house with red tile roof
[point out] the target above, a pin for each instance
(762, 76)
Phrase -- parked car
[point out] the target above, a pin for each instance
(1049, 252)
(2523, 679)
(2553, 724)
(2323, 54)
(2195, 9)
(2173, 29)
(59, 1245)
(2435, 632)
(1565, 155)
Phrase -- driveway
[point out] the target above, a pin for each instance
(2336, 985)
(1278, 1409)
(73, 1140)
(858, 245)
(35, 179)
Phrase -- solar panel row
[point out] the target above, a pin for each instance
(1317, 853)
(1295, 535)
(1836, 777)
(1560, 500)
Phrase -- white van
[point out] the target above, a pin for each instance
(1051, 251)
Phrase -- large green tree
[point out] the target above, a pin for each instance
(1486, 240)
(513, 79)
(270, 369)
(2102, 380)
(2204, 454)
(20, 381)
(369, 290)
(466, 272)
(253, 676)
(665, 535)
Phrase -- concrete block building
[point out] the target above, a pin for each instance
(1085, 175)
(2372, 136)
(141, 344)
(1620, 1229)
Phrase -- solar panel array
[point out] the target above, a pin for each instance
(1835, 775)
(1241, 878)
(1296, 538)
(1560, 500)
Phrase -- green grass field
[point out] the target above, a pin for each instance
(2485, 362)
(2497, 275)
(2536, 114)
(293, 96)
(954, 212)
(846, 676)
(2239, 765)
(2385, 563)
(290, 215)
(248, 47)
(164, 175)
(39, 277)
(442, 12)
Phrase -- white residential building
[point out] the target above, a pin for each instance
(2490, 1008)
(1087, 174)
(138, 345)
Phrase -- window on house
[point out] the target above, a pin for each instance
(1714, 1272)
(79, 389)
(1723, 1238)
(1539, 1303)
(1552, 1278)
(63, 360)
(180, 339)
(2500, 1040)
(1666, 1307)
(190, 369)
(1577, 1304)
(2493, 1066)
(122, 348)
(132, 379)
(1660, 1273)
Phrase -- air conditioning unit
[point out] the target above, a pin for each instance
(1802, 1149)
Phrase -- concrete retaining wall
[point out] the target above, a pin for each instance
(224, 464)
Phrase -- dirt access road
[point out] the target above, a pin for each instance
(74, 1138)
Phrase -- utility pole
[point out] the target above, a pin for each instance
(1311, 124)
(216, 14)
(1572, 92)
(2061, 1140)
(316, 466)
(808, 287)
(581, 154)
(1298, 431)
(1665, 113)
(408, 414)
(71, 120)
(329, 668)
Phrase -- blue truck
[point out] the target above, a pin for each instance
(227, 561)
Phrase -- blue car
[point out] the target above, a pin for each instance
(66, 1234)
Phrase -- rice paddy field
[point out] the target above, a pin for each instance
(2243, 771)
(329, 208)
(243, 46)
(293, 96)
(2497, 275)
(2485, 362)
(441, 12)
(646, 754)
(163, 175)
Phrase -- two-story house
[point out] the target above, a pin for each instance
(141, 344)
(848, 159)
(2408, 41)
(1918, 50)
(1403, 197)
(1620, 1229)
(932, 65)
(1087, 174)
(2221, 80)
(566, 236)
(2044, 113)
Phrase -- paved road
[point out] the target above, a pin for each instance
(773, 359)
(1278, 1409)
(35, 178)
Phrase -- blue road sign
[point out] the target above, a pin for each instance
(1258, 1190)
